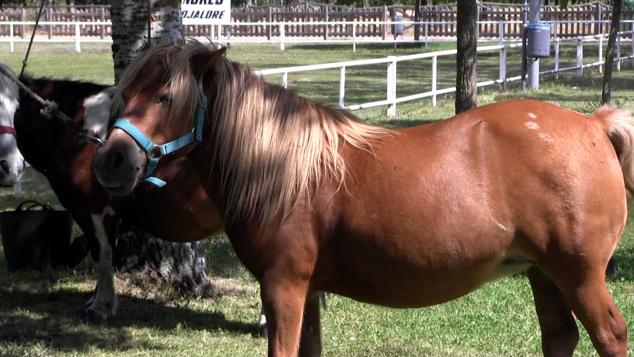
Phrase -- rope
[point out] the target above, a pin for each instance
(51, 109)
(28, 50)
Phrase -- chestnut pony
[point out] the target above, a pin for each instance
(314, 200)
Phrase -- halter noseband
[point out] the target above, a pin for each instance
(154, 152)
(7, 130)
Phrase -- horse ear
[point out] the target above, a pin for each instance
(201, 63)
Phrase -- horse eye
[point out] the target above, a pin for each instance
(165, 100)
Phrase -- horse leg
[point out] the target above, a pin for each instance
(310, 343)
(587, 294)
(283, 301)
(104, 303)
(559, 329)
(593, 306)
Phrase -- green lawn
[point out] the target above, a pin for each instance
(40, 313)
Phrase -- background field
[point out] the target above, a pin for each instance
(40, 313)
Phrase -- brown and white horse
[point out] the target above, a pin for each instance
(12, 163)
(65, 157)
(315, 200)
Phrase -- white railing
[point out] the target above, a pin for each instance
(392, 100)
(222, 34)
(77, 38)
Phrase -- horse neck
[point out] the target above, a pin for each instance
(45, 141)
(283, 145)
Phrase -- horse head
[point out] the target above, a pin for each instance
(12, 163)
(161, 109)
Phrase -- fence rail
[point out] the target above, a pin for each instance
(83, 32)
(391, 62)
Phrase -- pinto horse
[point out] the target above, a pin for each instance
(314, 200)
(12, 163)
(61, 152)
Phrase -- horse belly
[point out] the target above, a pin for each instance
(420, 270)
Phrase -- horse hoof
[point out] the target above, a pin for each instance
(263, 331)
(92, 316)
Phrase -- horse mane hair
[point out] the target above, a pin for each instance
(9, 92)
(271, 146)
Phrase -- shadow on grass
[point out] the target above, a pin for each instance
(31, 315)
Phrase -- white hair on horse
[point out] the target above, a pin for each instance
(11, 161)
(97, 112)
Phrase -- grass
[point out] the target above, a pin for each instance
(40, 313)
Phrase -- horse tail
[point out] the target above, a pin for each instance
(619, 125)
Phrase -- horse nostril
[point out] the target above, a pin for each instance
(114, 160)
(5, 166)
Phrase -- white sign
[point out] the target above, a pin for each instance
(205, 12)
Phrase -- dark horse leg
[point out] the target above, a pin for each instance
(559, 329)
(310, 342)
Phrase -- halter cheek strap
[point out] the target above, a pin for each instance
(154, 152)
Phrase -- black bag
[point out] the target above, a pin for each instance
(39, 239)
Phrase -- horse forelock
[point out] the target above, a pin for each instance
(273, 146)
(174, 64)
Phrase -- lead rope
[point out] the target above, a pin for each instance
(28, 50)
(50, 108)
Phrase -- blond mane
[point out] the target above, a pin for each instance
(270, 145)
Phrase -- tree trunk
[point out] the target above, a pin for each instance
(180, 264)
(130, 35)
(466, 58)
(606, 93)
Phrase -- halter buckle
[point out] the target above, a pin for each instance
(155, 153)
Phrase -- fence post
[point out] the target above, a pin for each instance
(426, 33)
(326, 18)
(384, 20)
(77, 38)
(502, 56)
(556, 58)
(391, 87)
(103, 19)
(269, 19)
(11, 41)
(282, 34)
(285, 80)
(342, 86)
(434, 72)
(354, 35)
(618, 52)
(49, 17)
(23, 19)
(601, 52)
(580, 56)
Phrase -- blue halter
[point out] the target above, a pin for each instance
(155, 152)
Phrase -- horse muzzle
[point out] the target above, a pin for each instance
(119, 165)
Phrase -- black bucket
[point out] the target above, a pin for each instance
(36, 239)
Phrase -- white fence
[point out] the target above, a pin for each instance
(222, 33)
(392, 100)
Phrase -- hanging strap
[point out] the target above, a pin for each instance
(28, 50)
